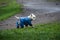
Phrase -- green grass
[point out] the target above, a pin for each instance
(9, 9)
(50, 31)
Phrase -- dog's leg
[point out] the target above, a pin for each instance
(31, 25)
(26, 25)
(17, 24)
(22, 25)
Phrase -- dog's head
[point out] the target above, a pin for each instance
(32, 16)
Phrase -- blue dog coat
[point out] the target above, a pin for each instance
(24, 21)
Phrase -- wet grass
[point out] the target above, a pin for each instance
(7, 9)
(50, 31)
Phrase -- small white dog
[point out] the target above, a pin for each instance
(25, 20)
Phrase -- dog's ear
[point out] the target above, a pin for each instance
(31, 15)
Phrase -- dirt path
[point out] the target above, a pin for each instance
(45, 13)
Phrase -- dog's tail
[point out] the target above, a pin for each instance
(17, 17)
